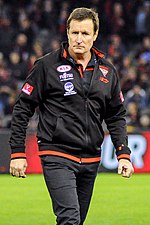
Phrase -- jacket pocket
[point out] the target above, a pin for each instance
(96, 134)
(46, 127)
(68, 131)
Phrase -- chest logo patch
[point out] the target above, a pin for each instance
(104, 70)
(104, 80)
(27, 88)
(66, 76)
(64, 68)
(69, 89)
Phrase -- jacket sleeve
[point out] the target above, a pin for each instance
(116, 122)
(27, 101)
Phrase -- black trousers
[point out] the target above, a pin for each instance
(70, 185)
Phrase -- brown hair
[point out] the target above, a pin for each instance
(81, 14)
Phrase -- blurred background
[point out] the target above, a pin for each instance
(30, 29)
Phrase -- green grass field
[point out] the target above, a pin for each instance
(116, 201)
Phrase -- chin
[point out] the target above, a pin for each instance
(78, 51)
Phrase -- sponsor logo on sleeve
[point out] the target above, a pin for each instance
(121, 96)
(27, 88)
(64, 68)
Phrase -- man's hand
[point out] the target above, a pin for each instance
(125, 168)
(18, 167)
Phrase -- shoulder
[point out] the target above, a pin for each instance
(108, 64)
(101, 56)
(50, 58)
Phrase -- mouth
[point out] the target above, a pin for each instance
(79, 47)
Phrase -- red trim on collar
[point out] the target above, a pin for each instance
(65, 54)
(101, 55)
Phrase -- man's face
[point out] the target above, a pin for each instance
(81, 36)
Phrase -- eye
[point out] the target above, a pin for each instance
(74, 32)
(85, 33)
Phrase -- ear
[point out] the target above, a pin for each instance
(95, 35)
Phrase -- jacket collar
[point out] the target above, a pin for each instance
(64, 51)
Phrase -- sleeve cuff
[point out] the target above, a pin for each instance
(123, 152)
(123, 156)
(18, 155)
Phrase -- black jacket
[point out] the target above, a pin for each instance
(70, 122)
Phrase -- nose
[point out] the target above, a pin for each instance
(79, 38)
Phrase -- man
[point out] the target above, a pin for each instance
(75, 89)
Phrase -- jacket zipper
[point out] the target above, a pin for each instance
(80, 71)
(86, 123)
(87, 142)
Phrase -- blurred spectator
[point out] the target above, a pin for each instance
(49, 16)
(21, 46)
(116, 50)
(132, 117)
(2, 61)
(38, 49)
(31, 61)
(43, 38)
(141, 20)
(145, 119)
(147, 18)
(129, 80)
(7, 35)
(35, 11)
(62, 19)
(126, 64)
(6, 79)
(144, 81)
(117, 21)
(26, 28)
(143, 63)
(18, 69)
(54, 45)
(8, 90)
(143, 47)
(138, 96)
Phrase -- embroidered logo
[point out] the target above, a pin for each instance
(66, 76)
(69, 88)
(104, 80)
(104, 70)
(27, 88)
(63, 68)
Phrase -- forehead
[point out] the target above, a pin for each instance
(86, 24)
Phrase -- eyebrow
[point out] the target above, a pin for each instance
(76, 31)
